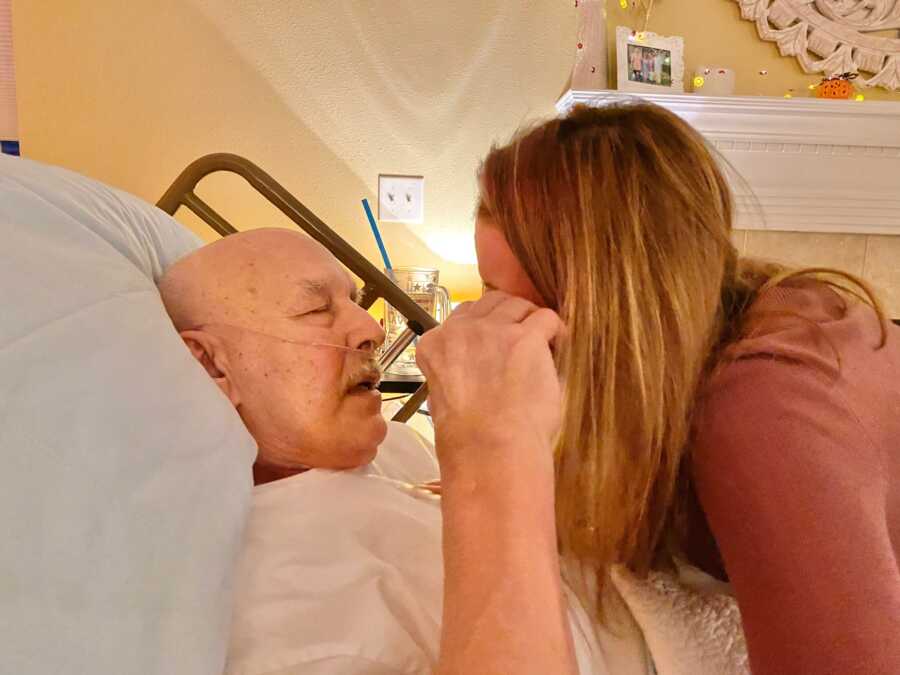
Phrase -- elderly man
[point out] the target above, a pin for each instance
(342, 571)
(273, 318)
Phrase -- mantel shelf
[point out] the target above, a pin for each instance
(812, 164)
(761, 105)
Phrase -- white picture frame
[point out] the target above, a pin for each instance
(661, 59)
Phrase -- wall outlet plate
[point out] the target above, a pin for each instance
(401, 199)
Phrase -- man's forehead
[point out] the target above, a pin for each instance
(323, 284)
(287, 269)
(307, 263)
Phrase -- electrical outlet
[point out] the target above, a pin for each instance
(401, 199)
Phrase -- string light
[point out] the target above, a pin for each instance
(699, 82)
(645, 5)
(860, 97)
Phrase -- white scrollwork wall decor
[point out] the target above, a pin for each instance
(834, 36)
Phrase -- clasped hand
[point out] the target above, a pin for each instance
(493, 383)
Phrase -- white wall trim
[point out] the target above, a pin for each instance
(814, 165)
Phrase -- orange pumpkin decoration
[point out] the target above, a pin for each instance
(839, 86)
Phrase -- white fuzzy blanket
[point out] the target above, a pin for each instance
(690, 622)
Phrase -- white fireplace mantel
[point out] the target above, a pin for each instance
(812, 165)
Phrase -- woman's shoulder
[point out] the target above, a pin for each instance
(809, 322)
(809, 366)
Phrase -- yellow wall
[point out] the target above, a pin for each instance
(715, 35)
(325, 95)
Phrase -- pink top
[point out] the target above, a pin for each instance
(797, 468)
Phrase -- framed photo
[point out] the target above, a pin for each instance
(648, 62)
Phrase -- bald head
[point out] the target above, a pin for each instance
(268, 313)
(237, 278)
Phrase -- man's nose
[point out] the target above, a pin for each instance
(367, 334)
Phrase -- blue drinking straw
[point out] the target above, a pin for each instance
(384, 256)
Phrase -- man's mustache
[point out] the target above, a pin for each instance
(367, 371)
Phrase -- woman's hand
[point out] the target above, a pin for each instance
(492, 379)
(495, 399)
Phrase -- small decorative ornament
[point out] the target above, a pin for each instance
(764, 72)
(714, 80)
(840, 87)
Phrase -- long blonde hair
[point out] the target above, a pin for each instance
(622, 220)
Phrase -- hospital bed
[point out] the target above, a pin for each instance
(377, 284)
(127, 478)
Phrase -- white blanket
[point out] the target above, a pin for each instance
(690, 621)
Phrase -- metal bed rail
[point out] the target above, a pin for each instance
(376, 283)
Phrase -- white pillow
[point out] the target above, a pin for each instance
(126, 475)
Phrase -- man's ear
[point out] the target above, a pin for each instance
(212, 355)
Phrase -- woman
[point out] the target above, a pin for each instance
(739, 416)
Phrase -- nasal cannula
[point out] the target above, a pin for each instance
(295, 342)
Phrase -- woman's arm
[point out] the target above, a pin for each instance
(504, 610)
(796, 496)
(496, 403)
